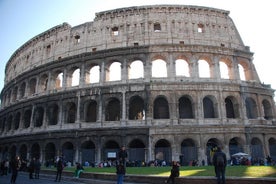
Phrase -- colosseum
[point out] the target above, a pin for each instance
(170, 82)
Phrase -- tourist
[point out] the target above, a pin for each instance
(37, 166)
(220, 163)
(174, 172)
(120, 171)
(79, 170)
(15, 166)
(59, 169)
(123, 155)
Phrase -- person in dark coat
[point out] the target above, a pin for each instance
(37, 166)
(220, 163)
(15, 165)
(122, 155)
(120, 171)
(31, 168)
(59, 169)
(174, 172)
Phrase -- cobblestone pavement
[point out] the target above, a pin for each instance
(50, 179)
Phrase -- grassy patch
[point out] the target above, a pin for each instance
(235, 171)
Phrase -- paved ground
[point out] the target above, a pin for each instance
(49, 179)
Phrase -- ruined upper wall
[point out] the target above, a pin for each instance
(127, 27)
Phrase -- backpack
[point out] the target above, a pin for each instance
(220, 160)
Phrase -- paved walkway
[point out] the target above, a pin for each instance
(23, 178)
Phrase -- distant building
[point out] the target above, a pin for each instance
(170, 82)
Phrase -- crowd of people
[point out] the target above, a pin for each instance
(218, 160)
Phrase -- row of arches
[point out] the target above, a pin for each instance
(51, 114)
(115, 70)
(91, 151)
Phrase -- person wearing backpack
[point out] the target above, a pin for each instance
(220, 163)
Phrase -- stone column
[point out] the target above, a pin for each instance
(64, 80)
(194, 67)
(44, 121)
(76, 159)
(150, 148)
(235, 69)
(60, 115)
(21, 121)
(32, 117)
(102, 73)
(49, 87)
(82, 75)
(215, 69)
(124, 71)
(260, 108)
(124, 106)
(171, 67)
(147, 68)
(78, 108)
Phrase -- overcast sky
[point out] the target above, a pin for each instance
(21, 20)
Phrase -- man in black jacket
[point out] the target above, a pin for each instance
(123, 155)
(220, 163)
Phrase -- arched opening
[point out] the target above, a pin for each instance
(114, 73)
(68, 153)
(43, 82)
(27, 118)
(110, 150)
(204, 69)
(159, 68)
(94, 74)
(88, 153)
(241, 72)
(91, 112)
(136, 152)
(50, 153)
(182, 68)
(32, 86)
(59, 81)
(231, 107)
(209, 107)
(188, 152)
(256, 149)
(52, 114)
(267, 110)
(38, 116)
(136, 70)
(17, 120)
(185, 108)
(75, 77)
(23, 151)
(161, 108)
(35, 151)
(235, 145)
(22, 90)
(136, 108)
(251, 108)
(113, 110)
(272, 148)
(211, 147)
(14, 94)
(71, 112)
(224, 70)
(163, 151)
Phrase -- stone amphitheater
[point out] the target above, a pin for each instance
(170, 82)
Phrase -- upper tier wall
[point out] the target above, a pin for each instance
(127, 27)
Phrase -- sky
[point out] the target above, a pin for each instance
(21, 20)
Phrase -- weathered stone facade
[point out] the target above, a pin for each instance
(45, 111)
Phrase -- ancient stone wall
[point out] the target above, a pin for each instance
(61, 95)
